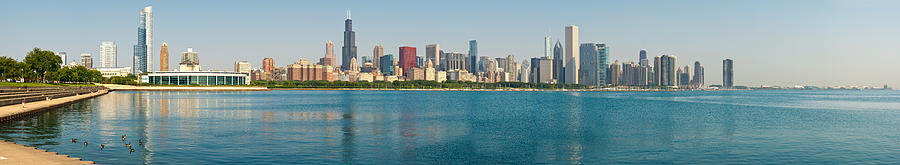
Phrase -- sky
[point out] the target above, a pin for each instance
(772, 42)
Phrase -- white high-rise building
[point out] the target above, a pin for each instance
(432, 52)
(62, 56)
(572, 54)
(548, 48)
(108, 54)
(149, 27)
(242, 66)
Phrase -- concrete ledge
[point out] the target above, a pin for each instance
(13, 112)
(117, 87)
(13, 153)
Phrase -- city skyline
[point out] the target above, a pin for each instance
(770, 59)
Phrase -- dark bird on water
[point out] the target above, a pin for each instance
(102, 146)
(128, 145)
(74, 140)
(140, 142)
(131, 149)
(123, 137)
(85, 143)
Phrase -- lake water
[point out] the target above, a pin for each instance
(468, 127)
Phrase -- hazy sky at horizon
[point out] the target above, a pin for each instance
(807, 42)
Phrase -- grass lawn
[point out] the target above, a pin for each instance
(15, 84)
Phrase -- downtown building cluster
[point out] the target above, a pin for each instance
(566, 62)
(437, 65)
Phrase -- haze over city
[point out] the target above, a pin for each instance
(772, 42)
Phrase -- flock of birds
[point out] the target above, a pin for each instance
(102, 146)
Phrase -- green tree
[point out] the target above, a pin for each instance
(40, 62)
(10, 68)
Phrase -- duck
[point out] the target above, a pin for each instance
(128, 145)
(74, 140)
(131, 149)
(140, 142)
(123, 137)
(85, 143)
(102, 146)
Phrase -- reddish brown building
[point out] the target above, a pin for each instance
(407, 57)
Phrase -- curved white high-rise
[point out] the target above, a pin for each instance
(143, 50)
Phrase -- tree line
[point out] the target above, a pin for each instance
(44, 66)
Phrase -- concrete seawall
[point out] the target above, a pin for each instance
(13, 112)
(117, 87)
(12, 153)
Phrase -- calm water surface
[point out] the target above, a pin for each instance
(456, 127)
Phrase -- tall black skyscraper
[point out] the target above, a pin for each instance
(727, 73)
(348, 51)
(558, 61)
(473, 56)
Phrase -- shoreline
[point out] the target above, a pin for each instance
(116, 87)
(506, 89)
(13, 153)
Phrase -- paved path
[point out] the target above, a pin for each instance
(12, 111)
(11, 153)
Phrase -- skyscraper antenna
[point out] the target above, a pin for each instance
(348, 13)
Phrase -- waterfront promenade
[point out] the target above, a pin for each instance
(11, 153)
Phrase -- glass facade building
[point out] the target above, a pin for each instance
(197, 78)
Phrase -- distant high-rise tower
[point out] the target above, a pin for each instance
(62, 56)
(348, 51)
(572, 54)
(664, 70)
(164, 57)
(727, 73)
(376, 56)
(697, 81)
(329, 54)
(593, 64)
(433, 53)
(548, 48)
(558, 63)
(143, 51)
(407, 58)
(86, 60)
(242, 67)
(473, 56)
(268, 64)
(642, 60)
(190, 61)
(108, 54)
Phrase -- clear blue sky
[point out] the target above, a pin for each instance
(772, 42)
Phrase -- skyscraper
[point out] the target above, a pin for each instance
(548, 48)
(329, 54)
(376, 56)
(407, 58)
(190, 61)
(143, 51)
(86, 60)
(62, 56)
(572, 55)
(665, 70)
(387, 64)
(164, 57)
(642, 60)
(108, 54)
(541, 70)
(268, 64)
(348, 51)
(432, 52)
(593, 64)
(242, 67)
(697, 81)
(558, 63)
(473, 56)
(727, 73)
